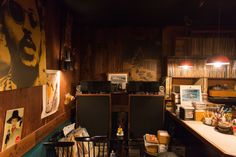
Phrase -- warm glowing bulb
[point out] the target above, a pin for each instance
(217, 64)
(218, 61)
(185, 67)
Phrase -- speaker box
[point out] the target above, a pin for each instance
(147, 114)
(94, 113)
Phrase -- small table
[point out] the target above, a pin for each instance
(122, 145)
(118, 144)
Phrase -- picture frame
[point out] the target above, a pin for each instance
(13, 127)
(51, 93)
(189, 94)
(118, 79)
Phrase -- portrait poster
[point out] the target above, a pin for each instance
(13, 127)
(22, 44)
(51, 93)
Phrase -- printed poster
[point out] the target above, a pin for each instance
(51, 93)
(13, 127)
(22, 44)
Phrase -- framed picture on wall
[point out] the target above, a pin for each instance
(13, 127)
(118, 79)
(190, 93)
(51, 93)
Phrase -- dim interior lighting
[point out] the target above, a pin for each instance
(218, 61)
(186, 64)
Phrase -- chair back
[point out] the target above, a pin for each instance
(58, 149)
(96, 146)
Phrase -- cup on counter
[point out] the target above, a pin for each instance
(208, 120)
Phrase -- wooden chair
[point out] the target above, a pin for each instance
(96, 146)
(58, 149)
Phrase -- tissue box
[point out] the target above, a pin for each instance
(163, 137)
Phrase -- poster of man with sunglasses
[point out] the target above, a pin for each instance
(22, 44)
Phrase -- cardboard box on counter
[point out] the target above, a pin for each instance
(163, 137)
(186, 112)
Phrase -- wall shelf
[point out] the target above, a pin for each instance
(200, 74)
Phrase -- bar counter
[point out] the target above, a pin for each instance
(224, 144)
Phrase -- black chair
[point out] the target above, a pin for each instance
(96, 146)
(56, 149)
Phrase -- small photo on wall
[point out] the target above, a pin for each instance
(13, 127)
(119, 79)
(51, 93)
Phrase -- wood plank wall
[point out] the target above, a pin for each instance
(31, 98)
(198, 41)
(103, 50)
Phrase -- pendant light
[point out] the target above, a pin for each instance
(220, 59)
(186, 63)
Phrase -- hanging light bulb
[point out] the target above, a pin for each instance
(219, 59)
(186, 64)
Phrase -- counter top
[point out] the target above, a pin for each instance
(226, 144)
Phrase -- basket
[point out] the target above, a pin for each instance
(150, 147)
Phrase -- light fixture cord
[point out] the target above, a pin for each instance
(219, 23)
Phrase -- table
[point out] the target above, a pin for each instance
(224, 144)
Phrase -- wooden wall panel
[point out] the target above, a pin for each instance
(104, 50)
(31, 98)
(52, 30)
(35, 137)
(169, 35)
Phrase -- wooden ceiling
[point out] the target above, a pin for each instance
(154, 12)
